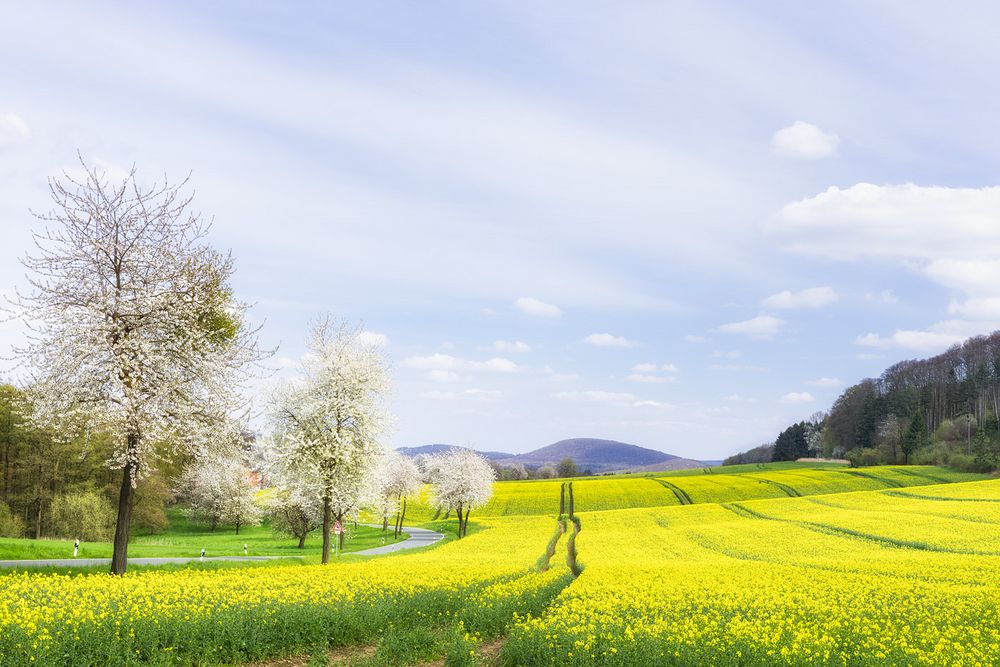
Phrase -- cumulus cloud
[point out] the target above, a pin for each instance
(814, 297)
(797, 397)
(828, 383)
(596, 396)
(804, 141)
(911, 339)
(904, 221)
(762, 326)
(440, 375)
(649, 379)
(511, 346)
(373, 338)
(446, 362)
(738, 368)
(653, 368)
(886, 297)
(468, 394)
(608, 340)
(532, 306)
(13, 130)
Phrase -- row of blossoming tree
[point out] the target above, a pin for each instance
(134, 332)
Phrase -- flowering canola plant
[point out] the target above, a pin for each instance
(901, 580)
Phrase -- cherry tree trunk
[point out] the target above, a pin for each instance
(126, 497)
(326, 530)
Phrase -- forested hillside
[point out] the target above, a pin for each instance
(941, 410)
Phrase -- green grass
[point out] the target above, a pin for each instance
(185, 538)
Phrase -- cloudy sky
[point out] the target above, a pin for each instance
(682, 227)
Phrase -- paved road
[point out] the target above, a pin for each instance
(419, 537)
(83, 562)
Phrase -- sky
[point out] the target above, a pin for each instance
(679, 225)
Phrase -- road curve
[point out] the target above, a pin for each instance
(85, 562)
(419, 537)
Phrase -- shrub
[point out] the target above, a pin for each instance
(864, 456)
(83, 514)
(10, 525)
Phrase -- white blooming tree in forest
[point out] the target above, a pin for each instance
(221, 489)
(294, 512)
(461, 480)
(398, 478)
(133, 326)
(328, 421)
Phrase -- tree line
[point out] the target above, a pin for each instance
(944, 410)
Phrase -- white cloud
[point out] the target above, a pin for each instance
(886, 297)
(797, 397)
(440, 375)
(532, 306)
(762, 326)
(468, 394)
(814, 297)
(649, 379)
(511, 346)
(910, 339)
(13, 130)
(722, 354)
(608, 340)
(653, 368)
(651, 404)
(904, 221)
(373, 338)
(739, 398)
(804, 141)
(692, 338)
(596, 396)
(447, 362)
(738, 367)
(829, 383)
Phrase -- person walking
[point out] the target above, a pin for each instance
(202, 554)
(244, 549)
(76, 547)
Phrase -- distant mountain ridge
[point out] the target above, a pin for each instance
(594, 454)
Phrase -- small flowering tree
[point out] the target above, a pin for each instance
(461, 480)
(295, 512)
(133, 327)
(221, 490)
(398, 478)
(328, 421)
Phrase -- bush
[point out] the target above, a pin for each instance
(968, 463)
(10, 525)
(865, 456)
(86, 515)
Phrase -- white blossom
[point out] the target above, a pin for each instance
(327, 423)
(461, 480)
(133, 328)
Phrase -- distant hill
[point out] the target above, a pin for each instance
(602, 456)
(594, 454)
(438, 448)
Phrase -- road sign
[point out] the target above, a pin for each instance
(337, 528)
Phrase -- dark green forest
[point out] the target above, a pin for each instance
(944, 410)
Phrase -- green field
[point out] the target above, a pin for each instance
(186, 538)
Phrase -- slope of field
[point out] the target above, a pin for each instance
(889, 579)
(232, 616)
(541, 497)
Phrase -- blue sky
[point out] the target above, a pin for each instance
(678, 226)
